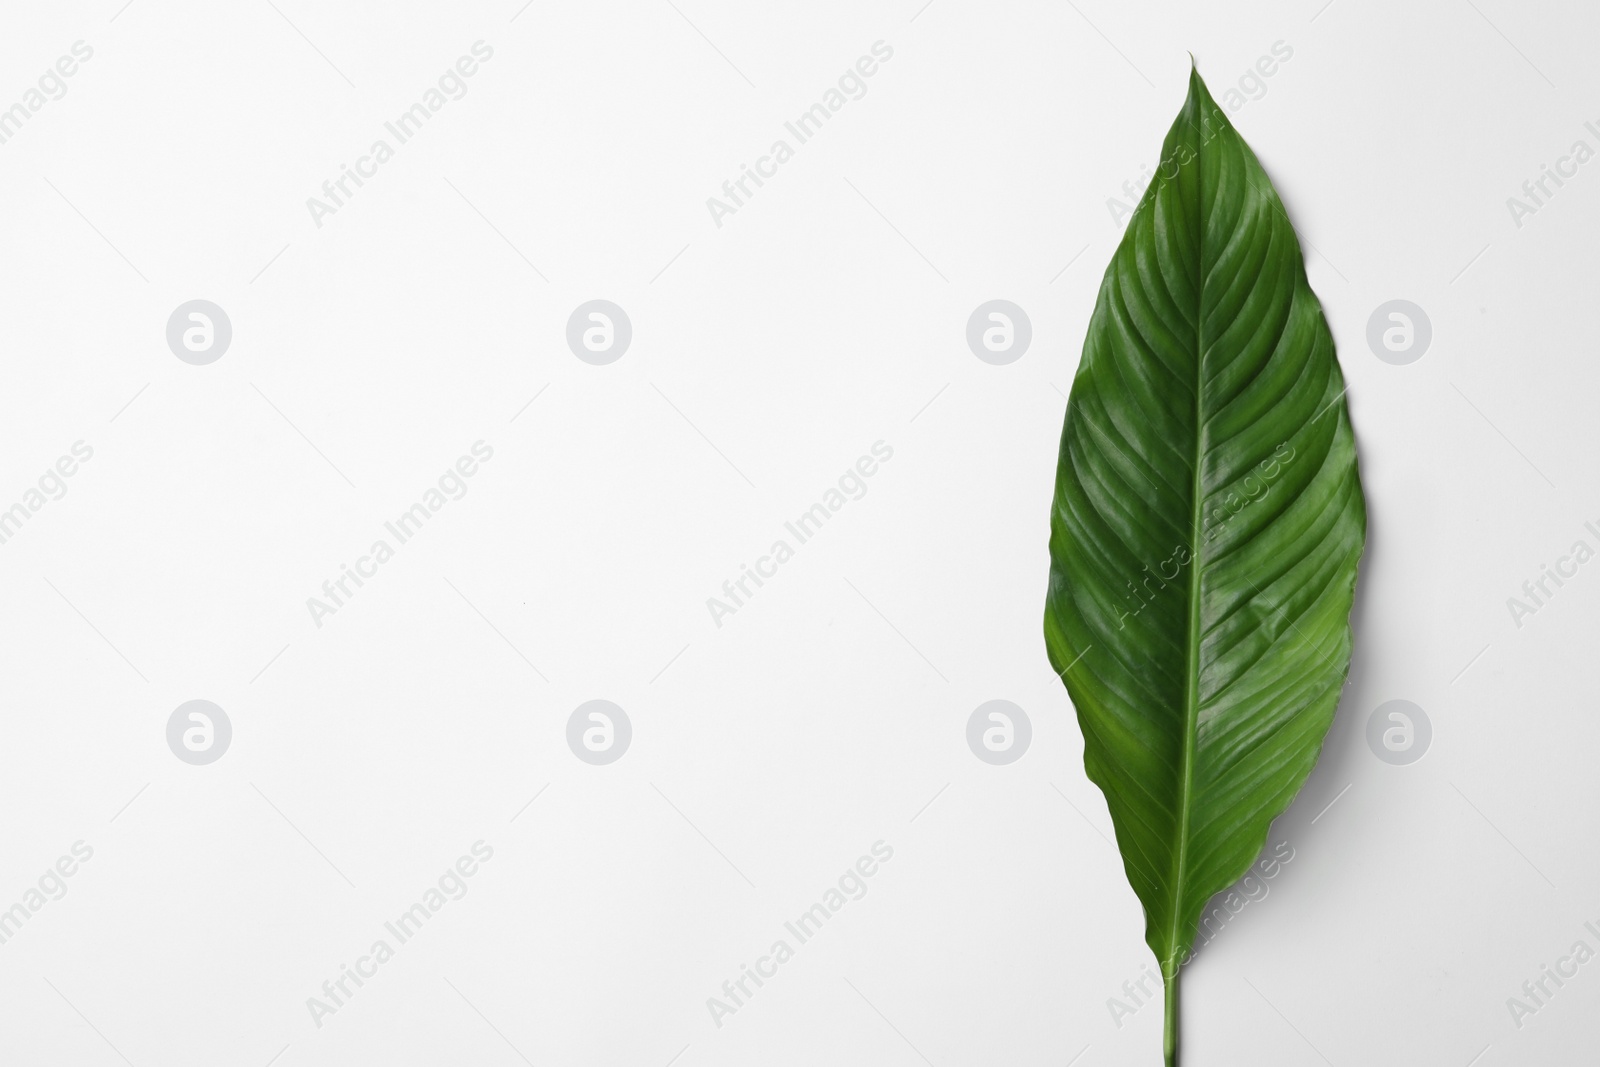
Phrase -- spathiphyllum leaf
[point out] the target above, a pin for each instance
(1207, 524)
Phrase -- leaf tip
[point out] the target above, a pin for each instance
(1199, 93)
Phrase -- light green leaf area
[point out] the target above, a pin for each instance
(1207, 524)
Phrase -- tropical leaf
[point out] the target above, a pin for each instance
(1207, 525)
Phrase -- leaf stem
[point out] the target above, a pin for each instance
(1170, 1044)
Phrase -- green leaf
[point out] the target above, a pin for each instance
(1206, 529)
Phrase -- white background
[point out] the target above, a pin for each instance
(768, 354)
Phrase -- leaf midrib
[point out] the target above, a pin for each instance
(1191, 696)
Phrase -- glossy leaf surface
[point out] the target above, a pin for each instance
(1207, 524)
